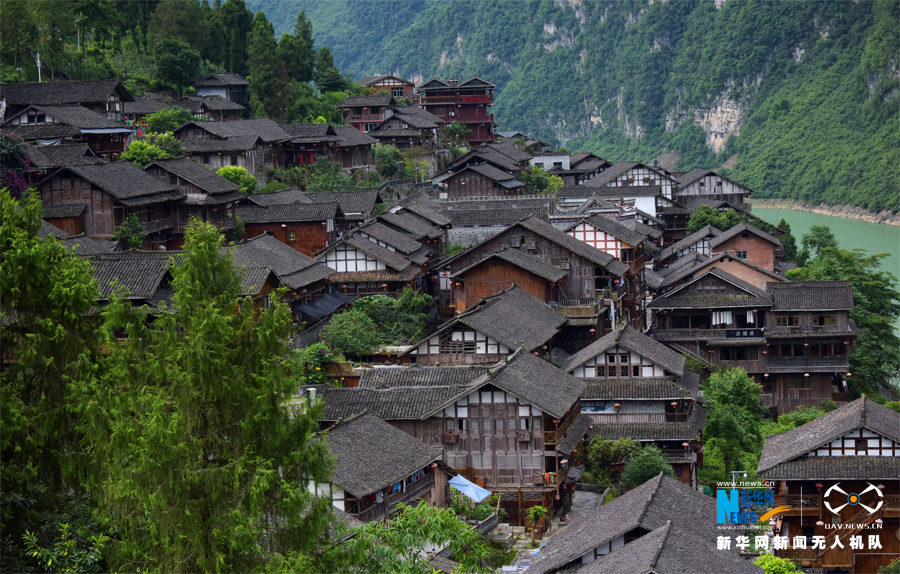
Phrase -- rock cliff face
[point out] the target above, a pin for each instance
(720, 120)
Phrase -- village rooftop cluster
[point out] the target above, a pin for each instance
(561, 317)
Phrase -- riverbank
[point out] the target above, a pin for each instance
(848, 211)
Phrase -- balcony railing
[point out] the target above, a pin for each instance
(413, 491)
(623, 418)
(808, 361)
(679, 453)
(797, 501)
(158, 225)
(555, 477)
(690, 334)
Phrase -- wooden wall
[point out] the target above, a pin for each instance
(309, 236)
(759, 251)
(71, 225)
(492, 277)
(471, 184)
(98, 215)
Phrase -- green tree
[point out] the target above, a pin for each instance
(19, 38)
(539, 181)
(648, 463)
(772, 564)
(66, 552)
(296, 51)
(214, 50)
(55, 24)
(788, 241)
(238, 21)
(387, 158)
(400, 320)
(166, 142)
(394, 546)
(706, 215)
(168, 120)
(735, 417)
(198, 459)
(451, 249)
(876, 307)
(45, 297)
(818, 238)
(177, 62)
(793, 419)
(268, 84)
(240, 176)
(457, 131)
(602, 453)
(141, 153)
(351, 333)
(535, 513)
(130, 234)
(181, 20)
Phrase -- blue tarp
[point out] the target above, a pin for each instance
(469, 488)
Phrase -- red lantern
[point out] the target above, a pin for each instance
(617, 405)
(292, 294)
(384, 286)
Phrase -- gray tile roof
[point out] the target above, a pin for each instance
(470, 236)
(811, 295)
(60, 155)
(538, 382)
(646, 432)
(605, 260)
(263, 128)
(671, 250)
(392, 259)
(87, 246)
(233, 143)
(219, 79)
(574, 435)
(741, 228)
(688, 259)
(611, 173)
(615, 229)
(399, 377)
(77, 116)
(123, 180)
(523, 261)
(197, 104)
(671, 549)
(487, 171)
(284, 197)
(204, 178)
(402, 243)
(351, 202)
(350, 136)
(253, 279)
(266, 251)
(495, 216)
(304, 277)
(140, 273)
(416, 227)
(634, 341)
(514, 317)
(292, 212)
(380, 100)
(94, 91)
(60, 210)
(372, 455)
(308, 133)
(783, 454)
(142, 106)
(836, 468)
(510, 151)
(681, 298)
(426, 213)
(646, 230)
(649, 506)
(417, 117)
(653, 279)
(400, 403)
(691, 176)
(647, 388)
(700, 263)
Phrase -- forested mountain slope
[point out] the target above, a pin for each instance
(798, 99)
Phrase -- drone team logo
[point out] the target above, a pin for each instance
(852, 499)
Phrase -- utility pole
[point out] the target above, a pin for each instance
(38, 60)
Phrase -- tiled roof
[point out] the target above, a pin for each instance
(307, 276)
(374, 276)
(284, 197)
(487, 171)
(514, 317)
(426, 213)
(470, 236)
(288, 213)
(538, 382)
(63, 92)
(264, 128)
(694, 237)
(266, 251)
(523, 261)
(60, 155)
(380, 100)
(587, 190)
(673, 548)
(491, 155)
(634, 341)
(495, 216)
(305, 133)
(741, 228)
(611, 173)
(218, 79)
(372, 455)
(689, 430)
(646, 230)
(417, 117)
(394, 377)
(615, 229)
(350, 136)
(87, 246)
(510, 151)
(648, 388)
(653, 279)
(688, 259)
(253, 279)
(680, 298)
(60, 210)
(392, 259)
(416, 227)
(78, 117)
(692, 176)
(700, 263)
(605, 260)
(211, 103)
(142, 106)
(443, 565)
(351, 202)
(122, 179)
(233, 143)
(188, 169)
(402, 243)
(650, 506)
(574, 435)
(401, 403)
(41, 131)
(783, 454)
(369, 80)
(138, 272)
(811, 295)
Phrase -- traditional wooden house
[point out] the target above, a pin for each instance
(113, 191)
(45, 160)
(353, 148)
(377, 466)
(358, 205)
(697, 242)
(416, 224)
(396, 241)
(490, 330)
(49, 125)
(708, 184)
(208, 197)
(696, 265)
(502, 430)
(251, 144)
(397, 87)
(104, 97)
(223, 84)
(502, 270)
(582, 167)
(306, 227)
(475, 219)
(749, 244)
(135, 111)
(625, 354)
(409, 126)
(213, 108)
(468, 102)
(308, 143)
(366, 112)
(364, 267)
(626, 174)
(481, 180)
(660, 527)
(837, 476)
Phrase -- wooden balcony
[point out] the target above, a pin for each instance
(625, 418)
(553, 478)
(798, 362)
(158, 225)
(413, 492)
(731, 333)
(808, 502)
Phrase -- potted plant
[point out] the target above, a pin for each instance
(535, 514)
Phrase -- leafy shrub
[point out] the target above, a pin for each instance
(168, 120)
(387, 160)
(351, 333)
(131, 233)
(400, 321)
(772, 564)
(141, 153)
(611, 495)
(309, 363)
(649, 463)
(240, 176)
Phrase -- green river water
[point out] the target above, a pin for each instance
(851, 233)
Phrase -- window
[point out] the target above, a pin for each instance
(173, 179)
(369, 126)
(537, 425)
(862, 446)
(375, 111)
(824, 320)
(397, 92)
(745, 235)
(234, 160)
(739, 354)
(523, 424)
(557, 164)
(204, 159)
(803, 383)
(787, 321)
(357, 111)
(451, 425)
(267, 302)
(610, 358)
(741, 254)
(290, 235)
(635, 371)
(475, 426)
(462, 424)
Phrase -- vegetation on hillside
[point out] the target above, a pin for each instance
(815, 84)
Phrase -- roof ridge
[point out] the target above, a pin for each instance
(652, 495)
(662, 543)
